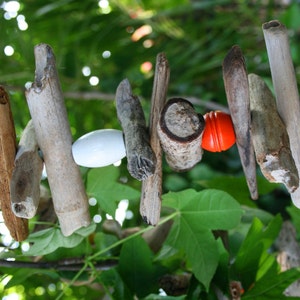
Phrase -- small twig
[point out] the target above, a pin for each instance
(237, 92)
(180, 131)
(140, 157)
(270, 138)
(285, 86)
(17, 227)
(150, 205)
(26, 176)
(58, 266)
(49, 116)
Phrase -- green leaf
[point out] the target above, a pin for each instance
(200, 212)
(48, 240)
(158, 297)
(137, 269)
(200, 247)
(211, 209)
(272, 287)
(102, 183)
(253, 253)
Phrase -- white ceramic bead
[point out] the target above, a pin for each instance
(99, 148)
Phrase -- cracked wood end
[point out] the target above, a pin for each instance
(180, 130)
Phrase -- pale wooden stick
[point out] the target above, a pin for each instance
(17, 227)
(152, 187)
(26, 176)
(53, 134)
(270, 138)
(140, 157)
(180, 131)
(285, 86)
(237, 92)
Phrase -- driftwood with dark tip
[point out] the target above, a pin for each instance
(53, 133)
(285, 87)
(237, 92)
(270, 138)
(150, 204)
(26, 176)
(180, 131)
(18, 227)
(140, 157)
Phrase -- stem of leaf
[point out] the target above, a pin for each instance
(116, 244)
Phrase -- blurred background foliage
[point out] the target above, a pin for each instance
(99, 43)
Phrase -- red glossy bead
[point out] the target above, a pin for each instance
(219, 132)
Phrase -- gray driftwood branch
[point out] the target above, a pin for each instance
(285, 87)
(270, 138)
(26, 176)
(140, 157)
(150, 205)
(49, 117)
(237, 92)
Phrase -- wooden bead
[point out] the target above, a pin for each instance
(180, 131)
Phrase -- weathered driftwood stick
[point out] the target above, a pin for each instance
(17, 227)
(53, 134)
(152, 187)
(140, 157)
(26, 176)
(269, 136)
(285, 86)
(237, 92)
(180, 131)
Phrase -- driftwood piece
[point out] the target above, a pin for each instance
(237, 92)
(150, 204)
(285, 86)
(18, 227)
(180, 131)
(26, 176)
(269, 136)
(52, 129)
(140, 157)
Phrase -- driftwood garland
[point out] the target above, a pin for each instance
(140, 157)
(150, 204)
(285, 86)
(26, 176)
(270, 138)
(237, 92)
(53, 134)
(18, 227)
(180, 131)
